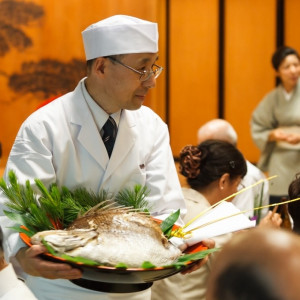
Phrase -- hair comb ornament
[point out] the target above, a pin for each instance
(232, 164)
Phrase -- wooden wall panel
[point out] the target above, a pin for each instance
(193, 68)
(56, 35)
(250, 40)
(292, 24)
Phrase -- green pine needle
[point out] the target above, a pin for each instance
(135, 198)
(57, 208)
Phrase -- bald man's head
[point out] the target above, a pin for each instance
(217, 129)
(262, 263)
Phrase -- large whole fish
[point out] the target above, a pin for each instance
(112, 236)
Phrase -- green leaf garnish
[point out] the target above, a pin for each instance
(181, 261)
(23, 230)
(184, 259)
(49, 248)
(148, 265)
(121, 266)
(74, 259)
(79, 259)
(167, 225)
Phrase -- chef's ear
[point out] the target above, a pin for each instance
(99, 65)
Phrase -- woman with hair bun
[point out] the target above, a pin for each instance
(214, 170)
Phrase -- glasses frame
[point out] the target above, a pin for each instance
(146, 74)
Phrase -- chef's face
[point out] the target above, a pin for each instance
(124, 89)
(289, 71)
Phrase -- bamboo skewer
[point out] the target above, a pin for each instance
(180, 233)
(232, 195)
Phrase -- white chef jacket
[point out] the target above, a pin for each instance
(60, 143)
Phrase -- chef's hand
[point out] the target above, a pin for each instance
(34, 265)
(209, 243)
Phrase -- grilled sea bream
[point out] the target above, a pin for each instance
(113, 236)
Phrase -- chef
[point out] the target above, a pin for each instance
(99, 136)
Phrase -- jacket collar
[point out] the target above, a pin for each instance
(89, 136)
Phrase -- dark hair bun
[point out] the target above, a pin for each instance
(190, 158)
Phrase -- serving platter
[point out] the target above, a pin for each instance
(119, 280)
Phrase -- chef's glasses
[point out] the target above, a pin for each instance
(144, 75)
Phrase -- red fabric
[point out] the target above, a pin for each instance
(45, 102)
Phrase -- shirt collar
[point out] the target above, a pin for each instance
(99, 115)
(287, 96)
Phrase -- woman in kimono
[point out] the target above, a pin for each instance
(275, 124)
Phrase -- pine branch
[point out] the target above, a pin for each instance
(135, 198)
(88, 198)
(20, 197)
(57, 208)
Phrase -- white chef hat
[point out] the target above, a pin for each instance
(120, 34)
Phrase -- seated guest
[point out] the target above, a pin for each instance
(214, 170)
(258, 264)
(257, 196)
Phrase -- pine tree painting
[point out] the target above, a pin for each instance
(45, 77)
(14, 14)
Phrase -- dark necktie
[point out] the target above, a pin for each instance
(109, 134)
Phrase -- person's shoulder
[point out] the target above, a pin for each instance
(270, 96)
(52, 110)
(254, 172)
(55, 106)
(268, 101)
(191, 194)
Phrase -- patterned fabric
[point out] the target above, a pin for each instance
(109, 134)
